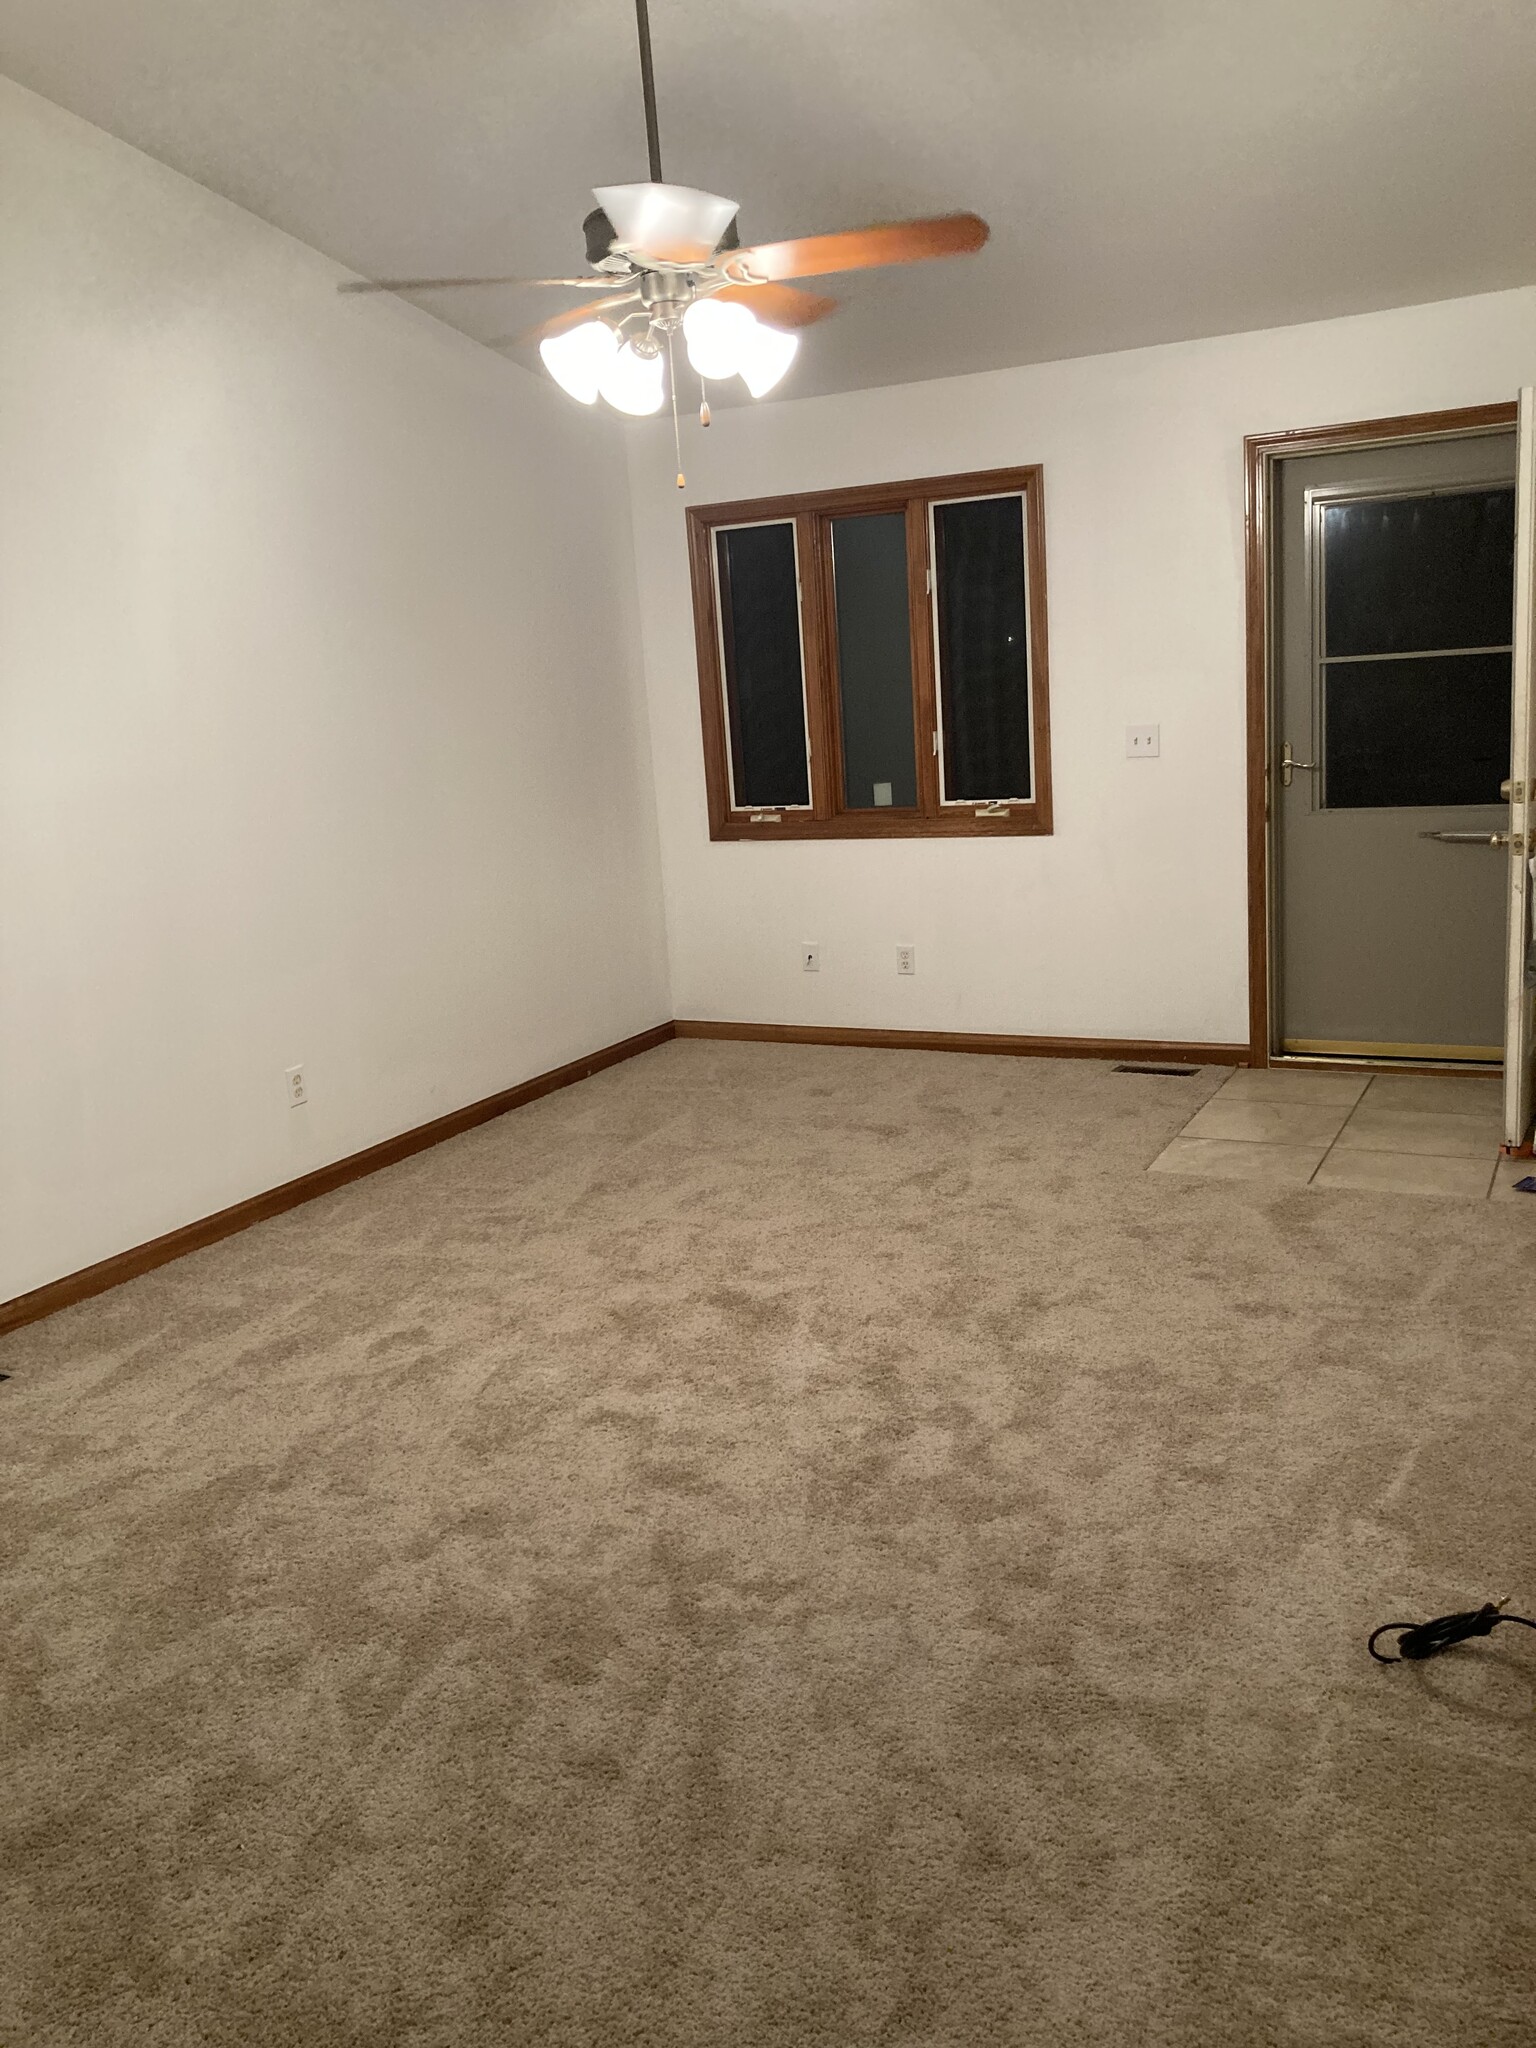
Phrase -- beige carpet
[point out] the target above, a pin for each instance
(780, 1546)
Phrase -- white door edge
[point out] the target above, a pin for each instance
(1520, 1011)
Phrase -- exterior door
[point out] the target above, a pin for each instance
(1520, 986)
(1394, 605)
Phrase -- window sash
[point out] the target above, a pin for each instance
(727, 715)
(941, 727)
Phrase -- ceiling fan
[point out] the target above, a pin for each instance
(669, 259)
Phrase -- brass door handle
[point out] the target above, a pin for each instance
(1514, 839)
(1288, 765)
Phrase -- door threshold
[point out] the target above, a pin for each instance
(1391, 1049)
(1377, 1063)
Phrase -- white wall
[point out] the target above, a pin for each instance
(321, 734)
(1130, 921)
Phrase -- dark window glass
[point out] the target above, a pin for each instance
(1432, 730)
(760, 632)
(983, 648)
(1405, 574)
(874, 660)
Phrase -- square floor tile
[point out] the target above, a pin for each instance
(1240, 1159)
(1410, 1130)
(1439, 1095)
(1505, 1174)
(1267, 1123)
(1405, 1173)
(1294, 1084)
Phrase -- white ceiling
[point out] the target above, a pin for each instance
(1152, 169)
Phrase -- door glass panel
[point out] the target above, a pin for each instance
(1409, 718)
(761, 660)
(1429, 731)
(980, 590)
(874, 660)
(1402, 575)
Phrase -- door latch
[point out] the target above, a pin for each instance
(1288, 766)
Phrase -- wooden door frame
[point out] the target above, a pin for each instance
(1260, 453)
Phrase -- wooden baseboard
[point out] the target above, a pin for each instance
(143, 1258)
(1179, 1052)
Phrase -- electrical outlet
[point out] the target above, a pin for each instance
(906, 959)
(1142, 742)
(810, 959)
(298, 1095)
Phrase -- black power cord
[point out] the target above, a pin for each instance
(1420, 1639)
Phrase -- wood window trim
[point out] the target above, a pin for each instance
(812, 512)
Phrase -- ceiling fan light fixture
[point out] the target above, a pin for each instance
(770, 352)
(719, 335)
(662, 253)
(633, 383)
(676, 223)
(579, 358)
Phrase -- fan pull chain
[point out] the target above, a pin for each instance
(677, 432)
(703, 404)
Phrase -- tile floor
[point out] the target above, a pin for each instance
(1416, 1134)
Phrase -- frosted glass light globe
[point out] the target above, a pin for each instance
(577, 359)
(770, 352)
(632, 383)
(677, 222)
(719, 335)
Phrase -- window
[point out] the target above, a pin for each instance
(1415, 623)
(872, 662)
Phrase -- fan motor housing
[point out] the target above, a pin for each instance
(598, 229)
(665, 297)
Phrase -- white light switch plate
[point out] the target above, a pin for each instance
(1142, 742)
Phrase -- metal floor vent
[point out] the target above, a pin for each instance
(1179, 1073)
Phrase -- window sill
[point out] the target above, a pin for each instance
(1021, 820)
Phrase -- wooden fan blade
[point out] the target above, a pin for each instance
(778, 305)
(562, 322)
(897, 241)
(449, 284)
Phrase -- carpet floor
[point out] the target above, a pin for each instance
(779, 1546)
